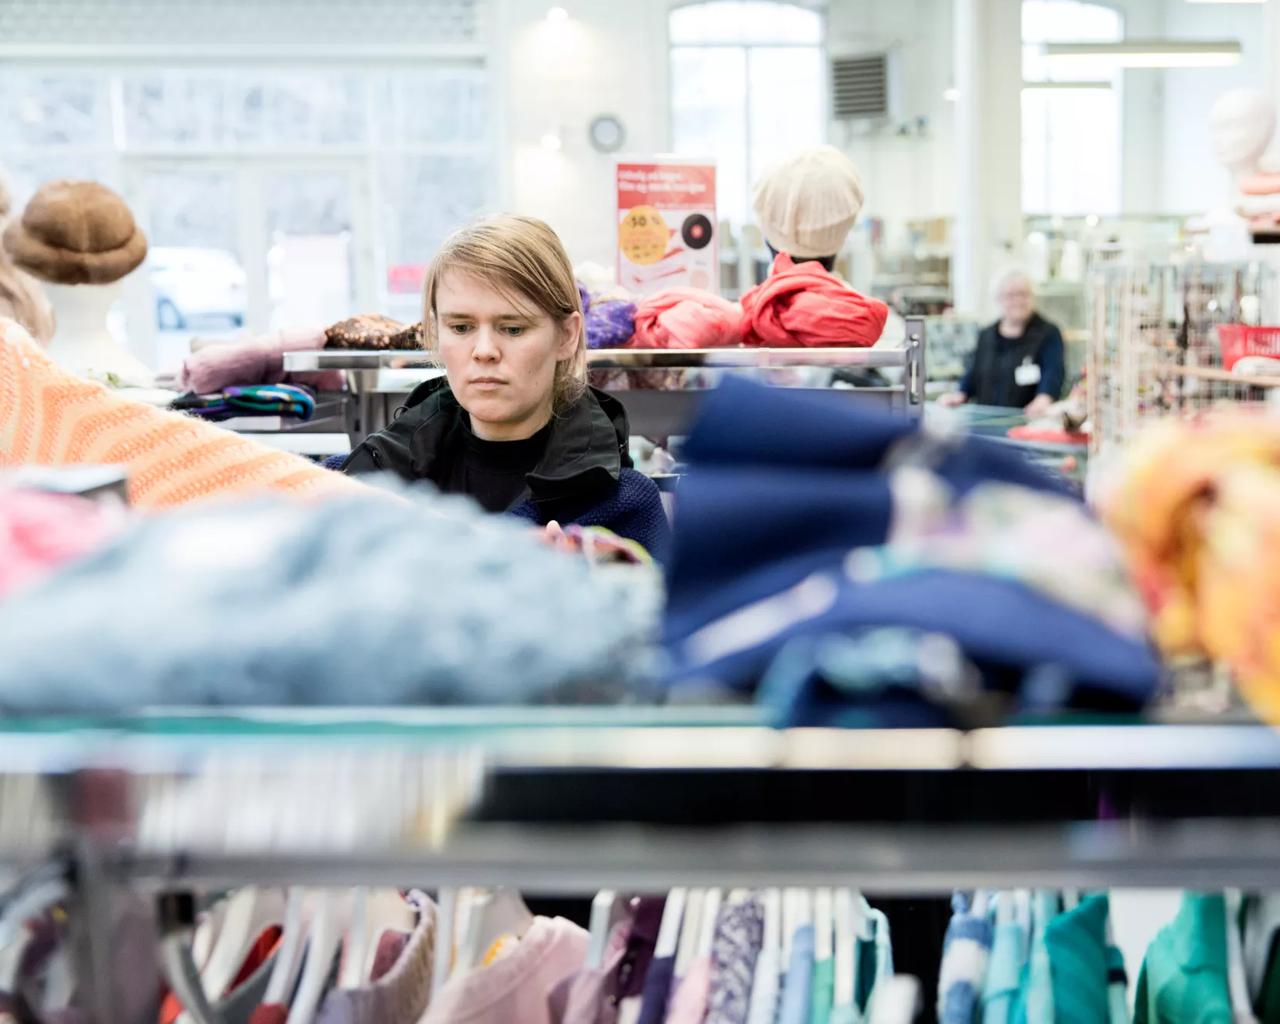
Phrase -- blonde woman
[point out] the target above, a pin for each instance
(513, 423)
(20, 296)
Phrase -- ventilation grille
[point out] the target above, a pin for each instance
(158, 23)
(860, 87)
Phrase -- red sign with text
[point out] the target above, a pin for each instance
(667, 225)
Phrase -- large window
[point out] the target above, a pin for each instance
(1071, 114)
(272, 196)
(747, 86)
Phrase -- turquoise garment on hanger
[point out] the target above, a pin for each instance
(1184, 975)
(1004, 973)
(1076, 943)
(1035, 1002)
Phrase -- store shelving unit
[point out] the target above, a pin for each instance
(568, 801)
(380, 380)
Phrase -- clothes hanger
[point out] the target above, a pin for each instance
(607, 909)
(250, 911)
(669, 930)
(1237, 980)
(710, 919)
(447, 901)
(824, 925)
(497, 913)
(690, 931)
(373, 913)
(288, 965)
(323, 942)
(846, 949)
(207, 930)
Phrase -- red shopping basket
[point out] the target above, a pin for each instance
(1239, 340)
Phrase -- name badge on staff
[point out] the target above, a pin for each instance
(1028, 374)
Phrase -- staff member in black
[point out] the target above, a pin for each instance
(1020, 361)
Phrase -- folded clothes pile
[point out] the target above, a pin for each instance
(272, 602)
(213, 367)
(803, 304)
(253, 400)
(855, 567)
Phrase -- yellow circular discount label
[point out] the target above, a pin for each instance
(642, 235)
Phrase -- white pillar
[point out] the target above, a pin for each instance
(988, 225)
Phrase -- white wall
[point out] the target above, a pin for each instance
(610, 57)
(1192, 180)
(903, 177)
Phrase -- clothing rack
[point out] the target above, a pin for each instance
(380, 380)
(570, 801)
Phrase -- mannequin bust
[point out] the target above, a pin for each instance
(80, 239)
(82, 341)
(1242, 124)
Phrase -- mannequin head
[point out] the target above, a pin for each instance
(1241, 125)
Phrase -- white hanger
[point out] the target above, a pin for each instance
(497, 913)
(1070, 899)
(607, 909)
(846, 949)
(690, 931)
(288, 965)
(207, 932)
(669, 930)
(447, 900)
(1237, 982)
(250, 911)
(322, 946)
(824, 925)
(710, 919)
(373, 912)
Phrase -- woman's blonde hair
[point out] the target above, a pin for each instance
(20, 296)
(521, 257)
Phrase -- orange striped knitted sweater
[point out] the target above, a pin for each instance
(51, 418)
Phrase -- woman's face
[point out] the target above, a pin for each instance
(500, 356)
(1016, 301)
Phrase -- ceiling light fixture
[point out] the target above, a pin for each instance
(1152, 53)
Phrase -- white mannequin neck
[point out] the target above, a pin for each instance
(82, 341)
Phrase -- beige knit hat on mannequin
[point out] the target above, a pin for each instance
(807, 204)
(76, 232)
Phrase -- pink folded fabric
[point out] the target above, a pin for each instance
(804, 305)
(258, 361)
(687, 318)
(1260, 184)
(39, 532)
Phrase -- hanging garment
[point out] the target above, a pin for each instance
(642, 940)
(1003, 987)
(274, 602)
(657, 990)
(734, 951)
(803, 304)
(237, 1004)
(797, 985)
(1076, 941)
(397, 995)
(1260, 923)
(40, 532)
(260, 361)
(49, 417)
(769, 517)
(686, 318)
(766, 986)
(689, 1003)
(1184, 975)
(1117, 987)
(515, 989)
(591, 994)
(824, 986)
(965, 952)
